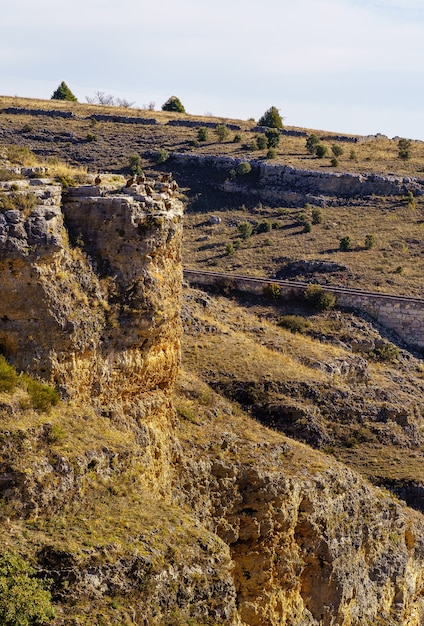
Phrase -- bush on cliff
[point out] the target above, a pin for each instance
(24, 599)
(8, 376)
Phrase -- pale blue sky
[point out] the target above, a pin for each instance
(353, 66)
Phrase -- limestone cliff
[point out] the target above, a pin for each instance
(140, 519)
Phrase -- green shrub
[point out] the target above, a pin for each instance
(271, 154)
(243, 168)
(63, 93)
(263, 227)
(202, 134)
(345, 243)
(386, 352)
(321, 150)
(316, 215)
(318, 298)
(252, 146)
(222, 132)
(353, 156)
(334, 162)
(237, 138)
(27, 128)
(245, 229)
(404, 147)
(25, 600)
(307, 227)
(232, 174)
(294, 323)
(311, 143)
(42, 396)
(273, 136)
(411, 200)
(337, 150)
(262, 142)
(173, 104)
(229, 248)
(271, 118)
(369, 242)
(272, 291)
(8, 376)
(162, 155)
(91, 137)
(135, 165)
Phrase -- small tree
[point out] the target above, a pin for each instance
(63, 93)
(262, 142)
(316, 215)
(311, 143)
(222, 132)
(337, 150)
(321, 150)
(404, 147)
(202, 134)
(345, 243)
(173, 104)
(135, 165)
(273, 136)
(245, 229)
(271, 118)
(369, 242)
(243, 168)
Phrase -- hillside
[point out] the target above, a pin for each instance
(213, 458)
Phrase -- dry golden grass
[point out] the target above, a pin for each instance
(394, 265)
(231, 346)
(370, 154)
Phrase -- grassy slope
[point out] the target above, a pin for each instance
(394, 265)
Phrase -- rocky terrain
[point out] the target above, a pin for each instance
(164, 490)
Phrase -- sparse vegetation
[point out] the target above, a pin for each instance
(162, 155)
(294, 323)
(317, 297)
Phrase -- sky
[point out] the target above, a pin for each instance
(346, 66)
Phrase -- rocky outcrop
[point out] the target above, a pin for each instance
(313, 547)
(134, 520)
(283, 184)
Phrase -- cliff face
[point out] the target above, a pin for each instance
(140, 519)
(98, 317)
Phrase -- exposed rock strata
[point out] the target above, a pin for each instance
(270, 535)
